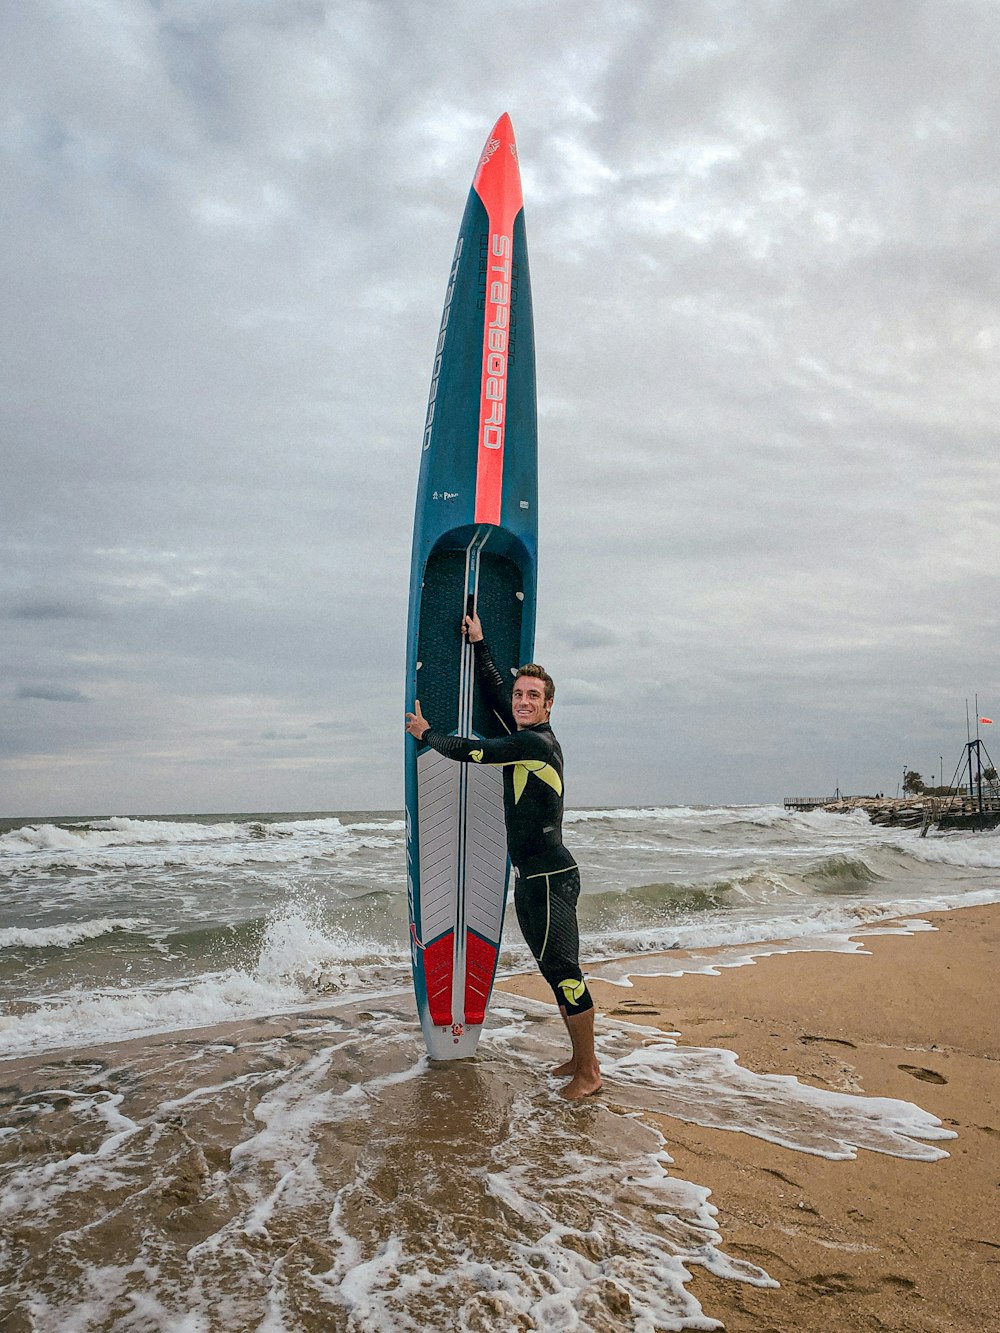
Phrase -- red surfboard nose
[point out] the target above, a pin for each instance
(498, 184)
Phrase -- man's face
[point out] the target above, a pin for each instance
(528, 702)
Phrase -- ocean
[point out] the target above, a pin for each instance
(217, 1112)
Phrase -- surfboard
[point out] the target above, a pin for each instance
(475, 541)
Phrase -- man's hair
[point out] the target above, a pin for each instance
(539, 673)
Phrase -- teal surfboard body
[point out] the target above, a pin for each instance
(475, 541)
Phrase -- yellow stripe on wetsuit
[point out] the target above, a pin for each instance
(522, 767)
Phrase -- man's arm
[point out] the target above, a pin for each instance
(494, 689)
(515, 748)
(518, 747)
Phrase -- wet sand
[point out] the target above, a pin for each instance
(877, 1243)
(313, 1172)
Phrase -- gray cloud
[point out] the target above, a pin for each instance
(589, 632)
(766, 319)
(50, 694)
(49, 609)
(580, 692)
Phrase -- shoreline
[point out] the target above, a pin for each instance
(877, 1242)
(206, 1128)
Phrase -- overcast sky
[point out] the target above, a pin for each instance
(763, 244)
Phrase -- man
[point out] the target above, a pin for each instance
(548, 881)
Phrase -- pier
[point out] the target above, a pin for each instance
(810, 802)
(971, 801)
(924, 812)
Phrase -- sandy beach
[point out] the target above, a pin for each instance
(877, 1242)
(311, 1170)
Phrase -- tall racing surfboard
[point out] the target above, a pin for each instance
(474, 548)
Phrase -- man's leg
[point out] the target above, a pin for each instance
(586, 1071)
(568, 1068)
(532, 903)
(546, 912)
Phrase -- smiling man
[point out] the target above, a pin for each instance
(548, 881)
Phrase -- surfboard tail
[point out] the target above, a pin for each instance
(443, 963)
(481, 956)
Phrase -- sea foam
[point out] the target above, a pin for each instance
(63, 937)
(300, 963)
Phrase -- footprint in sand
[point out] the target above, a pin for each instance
(835, 1284)
(831, 1041)
(926, 1075)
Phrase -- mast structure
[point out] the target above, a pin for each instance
(968, 783)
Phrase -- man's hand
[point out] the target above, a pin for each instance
(472, 629)
(416, 724)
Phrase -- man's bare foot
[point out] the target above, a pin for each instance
(581, 1085)
(565, 1070)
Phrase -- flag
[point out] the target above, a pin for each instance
(987, 721)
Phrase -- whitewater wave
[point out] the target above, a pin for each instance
(660, 904)
(977, 852)
(301, 961)
(764, 816)
(65, 936)
(789, 921)
(145, 844)
(728, 814)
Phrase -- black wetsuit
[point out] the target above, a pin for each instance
(548, 881)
